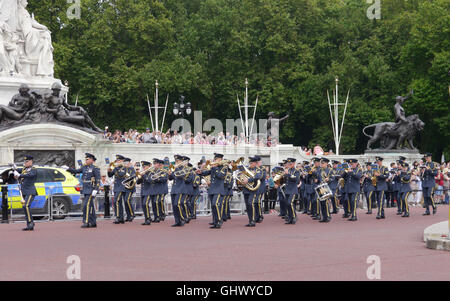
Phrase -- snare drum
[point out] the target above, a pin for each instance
(323, 192)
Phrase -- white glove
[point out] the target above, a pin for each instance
(65, 167)
(16, 174)
(94, 192)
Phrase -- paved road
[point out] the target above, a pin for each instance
(272, 251)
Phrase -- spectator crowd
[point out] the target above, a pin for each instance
(173, 137)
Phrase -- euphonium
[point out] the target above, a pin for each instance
(279, 178)
(247, 174)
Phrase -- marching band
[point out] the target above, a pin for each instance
(318, 187)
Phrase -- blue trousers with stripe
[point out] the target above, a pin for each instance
(89, 216)
(27, 208)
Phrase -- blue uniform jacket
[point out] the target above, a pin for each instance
(217, 174)
(119, 175)
(90, 177)
(352, 180)
(27, 179)
(292, 179)
(381, 179)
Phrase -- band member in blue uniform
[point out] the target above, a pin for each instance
(291, 178)
(352, 178)
(91, 184)
(128, 197)
(228, 182)
(325, 174)
(216, 189)
(261, 190)
(177, 192)
(119, 173)
(405, 188)
(280, 193)
(188, 189)
(315, 180)
(26, 177)
(368, 187)
(147, 190)
(333, 184)
(250, 197)
(159, 179)
(382, 174)
(429, 172)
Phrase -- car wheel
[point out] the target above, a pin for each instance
(60, 209)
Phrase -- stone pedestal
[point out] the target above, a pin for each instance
(9, 86)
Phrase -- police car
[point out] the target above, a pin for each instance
(51, 181)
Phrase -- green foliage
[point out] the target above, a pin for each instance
(290, 50)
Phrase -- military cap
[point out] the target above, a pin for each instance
(252, 159)
(316, 159)
(258, 158)
(28, 157)
(402, 158)
(186, 158)
(404, 164)
(280, 163)
(291, 160)
(428, 155)
(368, 163)
(190, 165)
(305, 162)
(146, 163)
(216, 155)
(325, 160)
(90, 156)
(352, 161)
(336, 162)
(378, 159)
(127, 160)
(178, 157)
(120, 157)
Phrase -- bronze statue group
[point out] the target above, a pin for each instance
(320, 187)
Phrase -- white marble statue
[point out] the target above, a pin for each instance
(25, 45)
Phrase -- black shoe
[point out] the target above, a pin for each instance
(187, 220)
(252, 224)
(323, 221)
(258, 221)
(176, 225)
(334, 212)
(317, 217)
(27, 229)
(353, 218)
(85, 226)
(129, 219)
(214, 226)
(434, 210)
(405, 215)
(399, 213)
(194, 217)
(211, 223)
(426, 213)
(119, 222)
(346, 215)
(369, 212)
(147, 222)
(280, 214)
(92, 225)
(382, 216)
(379, 217)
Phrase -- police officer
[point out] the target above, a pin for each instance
(261, 190)
(27, 178)
(119, 173)
(368, 187)
(177, 192)
(405, 188)
(250, 197)
(216, 190)
(382, 174)
(352, 186)
(291, 178)
(429, 172)
(91, 184)
(146, 191)
(333, 184)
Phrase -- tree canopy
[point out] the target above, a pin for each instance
(290, 50)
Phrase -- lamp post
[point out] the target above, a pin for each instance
(180, 109)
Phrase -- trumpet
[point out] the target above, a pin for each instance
(114, 164)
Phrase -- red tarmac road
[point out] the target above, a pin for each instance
(271, 251)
